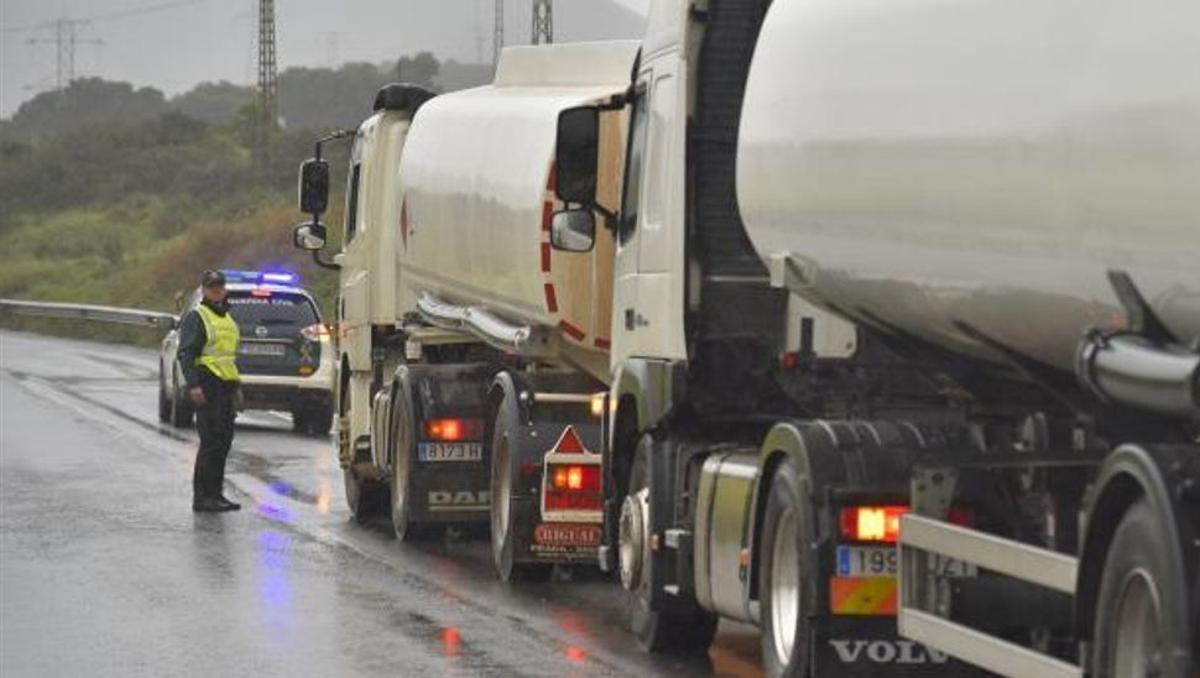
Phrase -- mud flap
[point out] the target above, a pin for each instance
(448, 481)
(538, 541)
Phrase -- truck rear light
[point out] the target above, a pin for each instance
(872, 523)
(882, 523)
(453, 430)
(575, 477)
(573, 487)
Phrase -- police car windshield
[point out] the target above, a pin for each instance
(278, 309)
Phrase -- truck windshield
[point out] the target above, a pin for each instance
(632, 192)
(280, 310)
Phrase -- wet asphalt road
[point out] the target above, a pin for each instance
(104, 569)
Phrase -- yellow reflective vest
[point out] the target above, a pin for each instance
(220, 346)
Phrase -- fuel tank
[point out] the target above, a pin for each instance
(477, 195)
(969, 173)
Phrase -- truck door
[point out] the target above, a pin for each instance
(354, 303)
(649, 271)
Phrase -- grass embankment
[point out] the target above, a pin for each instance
(120, 256)
(129, 213)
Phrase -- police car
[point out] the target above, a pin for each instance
(285, 356)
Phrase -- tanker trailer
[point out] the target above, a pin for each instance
(474, 354)
(1002, 202)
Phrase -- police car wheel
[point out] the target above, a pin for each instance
(181, 410)
(504, 512)
(299, 420)
(164, 404)
(319, 420)
(685, 629)
(785, 587)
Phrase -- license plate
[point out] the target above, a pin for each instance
(877, 561)
(567, 534)
(450, 452)
(262, 349)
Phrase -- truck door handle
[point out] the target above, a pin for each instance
(634, 320)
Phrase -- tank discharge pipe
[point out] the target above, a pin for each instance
(516, 339)
(1131, 370)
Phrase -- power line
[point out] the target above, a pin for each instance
(64, 39)
(108, 16)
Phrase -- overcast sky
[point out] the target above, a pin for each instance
(183, 42)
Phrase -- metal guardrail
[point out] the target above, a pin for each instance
(108, 314)
(921, 536)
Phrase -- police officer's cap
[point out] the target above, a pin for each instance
(212, 278)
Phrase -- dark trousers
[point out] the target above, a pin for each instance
(214, 422)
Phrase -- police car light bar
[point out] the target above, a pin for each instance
(261, 277)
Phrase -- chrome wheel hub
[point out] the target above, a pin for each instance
(1135, 645)
(631, 538)
(785, 586)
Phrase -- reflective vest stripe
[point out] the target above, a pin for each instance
(219, 355)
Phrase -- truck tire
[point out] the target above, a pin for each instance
(1141, 614)
(402, 440)
(683, 629)
(786, 589)
(506, 510)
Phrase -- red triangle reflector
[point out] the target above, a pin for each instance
(569, 442)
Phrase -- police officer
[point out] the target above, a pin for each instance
(208, 342)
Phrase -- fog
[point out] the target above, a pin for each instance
(172, 45)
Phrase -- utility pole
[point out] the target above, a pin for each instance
(543, 22)
(498, 33)
(268, 106)
(66, 37)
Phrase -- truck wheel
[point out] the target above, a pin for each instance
(1141, 614)
(684, 629)
(504, 509)
(181, 409)
(403, 424)
(785, 590)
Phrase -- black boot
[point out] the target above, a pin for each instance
(207, 505)
(227, 505)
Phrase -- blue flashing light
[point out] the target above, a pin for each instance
(285, 278)
(261, 277)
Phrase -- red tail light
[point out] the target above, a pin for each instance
(453, 430)
(573, 487)
(872, 523)
(882, 523)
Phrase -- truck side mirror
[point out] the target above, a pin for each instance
(576, 154)
(573, 230)
(309, 236)
(314, 186)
